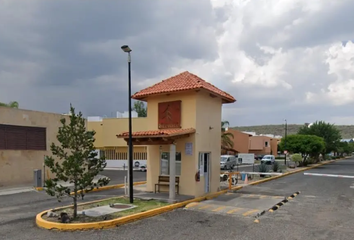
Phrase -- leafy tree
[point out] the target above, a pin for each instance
(329, 132)
(345, 148)
(12, 104)
(140, 108)
(226, 137)
(306, 145)
(77, 163)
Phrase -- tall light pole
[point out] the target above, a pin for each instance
(286, 133)
(127, 49)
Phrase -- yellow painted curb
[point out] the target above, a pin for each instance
(110, 187)
(38, 188)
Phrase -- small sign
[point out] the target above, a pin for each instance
(169, 115)
(189, 148)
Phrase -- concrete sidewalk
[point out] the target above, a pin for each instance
(21, 189)
(14, 190)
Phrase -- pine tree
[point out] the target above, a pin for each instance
(77, 162)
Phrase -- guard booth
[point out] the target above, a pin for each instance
(183, 143)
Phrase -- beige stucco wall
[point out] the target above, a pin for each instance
(16, 166)
(107, 129)
(199, 111)
(188, 163)
(208, 116)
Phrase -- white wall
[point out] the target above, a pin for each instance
(120, 163)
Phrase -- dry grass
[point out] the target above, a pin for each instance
(141, 206)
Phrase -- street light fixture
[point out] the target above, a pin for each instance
(127, 49)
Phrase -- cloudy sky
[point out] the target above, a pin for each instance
(280, 59)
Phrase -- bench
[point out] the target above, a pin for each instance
(165, 181)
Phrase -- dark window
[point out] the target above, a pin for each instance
(22, 138)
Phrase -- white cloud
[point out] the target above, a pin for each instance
(340, 60)
(278, 58)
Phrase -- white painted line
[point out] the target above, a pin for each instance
(328, 175)
(351, 186)
(255, 173)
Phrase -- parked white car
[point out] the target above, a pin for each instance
(143, 168)
(268, 159)
(227, 161)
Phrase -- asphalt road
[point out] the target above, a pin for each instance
(117, 176)
(323, 210)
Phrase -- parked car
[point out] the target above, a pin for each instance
(268, 159)
(227, 161)
(143, 168)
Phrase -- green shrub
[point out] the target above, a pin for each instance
(311, 160)
(296, 157)
(327, 157)
(275, 166)
(262, 168)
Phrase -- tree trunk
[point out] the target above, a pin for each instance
(75, 201)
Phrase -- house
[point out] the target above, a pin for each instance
(240, 140)
(263, 145)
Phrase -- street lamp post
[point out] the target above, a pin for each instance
(127, 49)
(286, 133)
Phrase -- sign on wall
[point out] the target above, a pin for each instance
(189, 148)
(246, 158)
(169, 115)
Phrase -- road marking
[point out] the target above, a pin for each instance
(234, 210)
(192, 204)
(205, 207)
(328, 175)
(277, 197)
(228, 193)
(219, 208)
(250, 212)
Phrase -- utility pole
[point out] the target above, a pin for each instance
(286, 133)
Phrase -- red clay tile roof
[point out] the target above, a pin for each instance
(183, 82)
(158, 133)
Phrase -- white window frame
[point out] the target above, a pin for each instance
(165, 171)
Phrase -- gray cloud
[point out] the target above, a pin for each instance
(53, 53)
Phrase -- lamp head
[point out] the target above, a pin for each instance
(126, 48)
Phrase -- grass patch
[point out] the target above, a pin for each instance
(141, 206)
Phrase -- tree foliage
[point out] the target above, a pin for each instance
(226, 137)
(345, 148)
(77, 162)
(306, 145)
(327, 131)
(12, 104)
(296, 157)
(140, 108)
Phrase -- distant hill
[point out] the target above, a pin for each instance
(347, 131)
